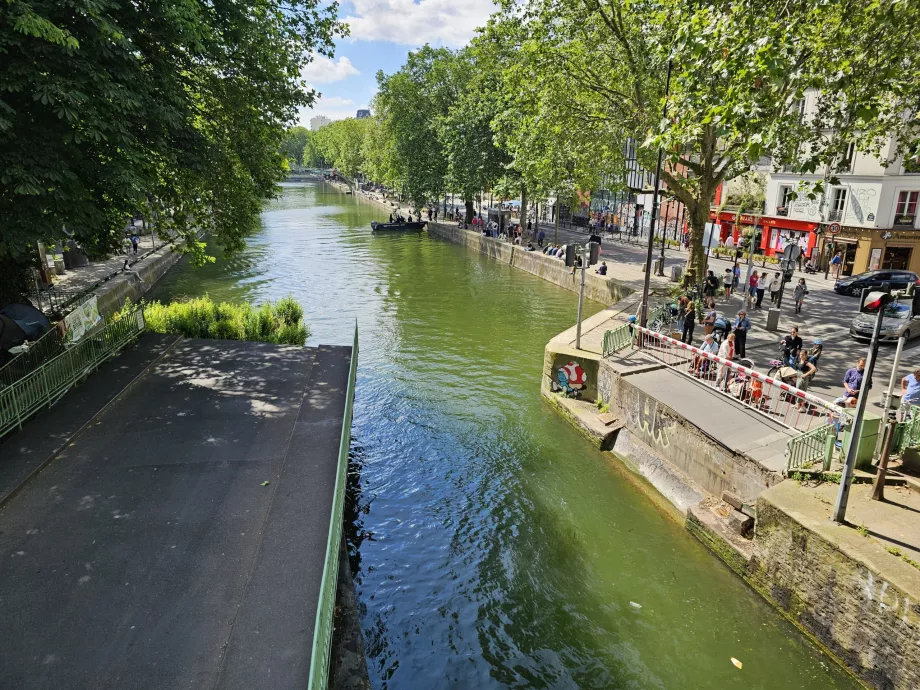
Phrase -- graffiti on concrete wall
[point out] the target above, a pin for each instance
(647, 417)
(878, 592)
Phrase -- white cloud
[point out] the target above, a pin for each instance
(325, 70)
(439, 22)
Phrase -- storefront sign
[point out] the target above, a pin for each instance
(876, 259)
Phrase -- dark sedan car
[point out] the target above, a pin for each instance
(898, 280)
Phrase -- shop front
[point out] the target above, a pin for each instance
(773, 234)
(863, 249)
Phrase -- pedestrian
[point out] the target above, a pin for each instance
(709, 319)
(805, 371)
(540, 237)
(429, 212)
(836, 262)
(727, 282)
(134, 241)
(435, 214)
(391, 217)
(752, 289)
(727, 352)
(910, 393)
(681, 311)
(762, 283)
(700, 363)
(852, 383)
(799, 295)
(775, 286)
(689, 323)
(711, 285)
(741, 326)
(736, 276)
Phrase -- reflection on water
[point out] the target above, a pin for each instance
(495, 547)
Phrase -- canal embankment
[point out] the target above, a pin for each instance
(718, 468)
(603, 289)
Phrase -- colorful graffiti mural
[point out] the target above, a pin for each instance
(570, 379)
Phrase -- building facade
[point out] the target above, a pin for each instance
(362, 114)
(318, 122)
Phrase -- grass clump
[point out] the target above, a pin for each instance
(280, 322)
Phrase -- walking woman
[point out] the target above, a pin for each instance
(799, 295)
(689, 323)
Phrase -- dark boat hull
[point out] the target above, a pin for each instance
(386, 227)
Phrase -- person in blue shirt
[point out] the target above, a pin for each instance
(741, 326)
(852, 383)
(910, 391)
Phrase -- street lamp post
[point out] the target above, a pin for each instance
(643, 314)
(589, 255)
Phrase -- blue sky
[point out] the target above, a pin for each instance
(382, 34)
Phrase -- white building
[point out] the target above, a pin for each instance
(318, 122)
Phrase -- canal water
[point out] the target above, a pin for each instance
(494, 547)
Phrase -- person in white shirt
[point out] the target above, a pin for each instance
(775, 286)
(726, 351)
(762, 283)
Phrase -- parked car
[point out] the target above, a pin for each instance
(873, 279)
(899, 319)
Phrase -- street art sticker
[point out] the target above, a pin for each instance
(570, 379)
(646, 416)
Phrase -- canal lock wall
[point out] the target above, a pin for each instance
(862, 617)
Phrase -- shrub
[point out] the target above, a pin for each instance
(201, 317)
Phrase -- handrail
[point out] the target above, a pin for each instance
(805, 450)
(39, 351)
(325, 609)
(45, 386)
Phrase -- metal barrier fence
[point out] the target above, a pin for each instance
(45, 386)
(325, 609)
(48, 346)
(805, 450)
(909, 436)
(779, 401)
(617, 339)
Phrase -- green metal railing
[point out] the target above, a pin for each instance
(325, 610)
(808, 448)
(617, 339)
(908, 432)
(45, 386)
(48, 346)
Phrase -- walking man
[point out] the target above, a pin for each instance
(540, 237)
(835, 265)
(741, 326)
(775, 286)
(711, 285)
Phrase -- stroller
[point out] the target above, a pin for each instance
(721, 327)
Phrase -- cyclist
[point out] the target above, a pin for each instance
(791, 344)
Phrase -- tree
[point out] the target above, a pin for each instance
(176, 110)
(342, 145)
(411, 103)
(293, 144)
(739, 68)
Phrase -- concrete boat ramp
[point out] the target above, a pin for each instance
(171, 529)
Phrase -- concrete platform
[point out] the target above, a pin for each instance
(179, 539)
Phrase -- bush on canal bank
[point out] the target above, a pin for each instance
(280, 322)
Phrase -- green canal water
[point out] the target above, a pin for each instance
(494, 547)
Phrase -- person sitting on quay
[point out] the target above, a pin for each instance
(602, 269)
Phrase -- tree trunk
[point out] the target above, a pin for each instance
(469, 210)
(523, 209)
(696, 261)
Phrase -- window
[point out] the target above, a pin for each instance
(845, 164)
(907, 204)
(786, 196)
(840, 199)
(798, 107)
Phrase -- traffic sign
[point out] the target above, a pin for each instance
(833, 228)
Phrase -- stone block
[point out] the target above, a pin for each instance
(740, 523)
(607, 418)
(732, 500)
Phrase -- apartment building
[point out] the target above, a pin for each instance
(870, 216)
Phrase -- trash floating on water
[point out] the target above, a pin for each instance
(265, 483)
(736, 662)
(635, 605)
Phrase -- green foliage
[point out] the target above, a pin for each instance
(172, 110)
(201, 317)
(341, 144)
(293, 144)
